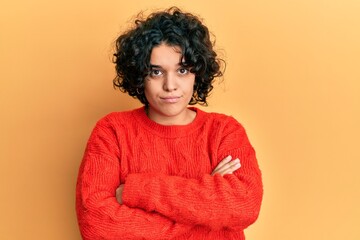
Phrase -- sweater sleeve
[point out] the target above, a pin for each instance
(229, 202)
(99, 214)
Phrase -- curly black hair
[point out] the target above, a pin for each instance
(174, 28)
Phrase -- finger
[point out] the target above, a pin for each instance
(118, 193)
(229, 167)
(227, 171)
(223, 162)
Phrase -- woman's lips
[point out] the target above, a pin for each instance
(170, 99)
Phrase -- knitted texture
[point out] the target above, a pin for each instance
(169, 191)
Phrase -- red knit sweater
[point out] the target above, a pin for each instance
(169, 191)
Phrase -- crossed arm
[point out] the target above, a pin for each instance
(226, 166)
(171, 206)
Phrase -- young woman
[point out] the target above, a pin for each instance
(167, 170)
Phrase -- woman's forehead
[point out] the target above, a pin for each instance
(166, 56)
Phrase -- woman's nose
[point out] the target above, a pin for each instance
(170, 82)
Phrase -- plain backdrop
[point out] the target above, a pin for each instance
(292, 79)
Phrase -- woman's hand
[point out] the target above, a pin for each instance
(227, 166)
(119, 192)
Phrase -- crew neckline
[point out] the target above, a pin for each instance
(169, 131)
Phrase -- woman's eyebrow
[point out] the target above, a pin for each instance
(155, 66)
(158, 66)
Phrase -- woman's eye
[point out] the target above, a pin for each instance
(183, 71)
(155, 72)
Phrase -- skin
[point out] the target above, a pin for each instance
(168, 90)
(169, 87)
(227, 166)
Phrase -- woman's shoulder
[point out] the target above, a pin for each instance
(219, 118)
(220, 123)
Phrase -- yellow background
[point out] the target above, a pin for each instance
(292, 79)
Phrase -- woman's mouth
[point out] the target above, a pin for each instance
(170, 99)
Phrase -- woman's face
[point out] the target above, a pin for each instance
(169, 87)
